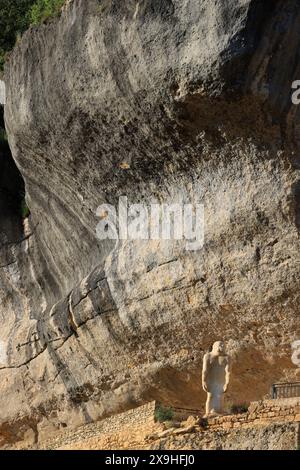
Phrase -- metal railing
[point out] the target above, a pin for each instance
(286, 390)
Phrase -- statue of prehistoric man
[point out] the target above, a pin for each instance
(215, 377)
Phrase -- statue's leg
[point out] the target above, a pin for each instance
(218, 403)
(222, 403)
(208, 406)
(214, 403)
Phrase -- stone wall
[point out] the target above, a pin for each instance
(282, 436)
(260, 413)
(137, 416)
(268, 425)
(180, 414)
(122, 427)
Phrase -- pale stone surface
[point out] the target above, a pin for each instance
(3, 349)
(196, 95)
(215, 378)
(2, 92)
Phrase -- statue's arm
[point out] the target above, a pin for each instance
(227, 375)
(204, 373)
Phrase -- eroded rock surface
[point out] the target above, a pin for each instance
(159, 101)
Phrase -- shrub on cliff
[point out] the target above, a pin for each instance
(43, 9)
(17, 15)
(14, 20)
(24, 209)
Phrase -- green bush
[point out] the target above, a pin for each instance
(3, 136)
(25, 211)
(236, 409)
(14, 20)
(17, 15)
(162, 414)
(43, 9)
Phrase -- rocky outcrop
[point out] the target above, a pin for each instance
(160, 101)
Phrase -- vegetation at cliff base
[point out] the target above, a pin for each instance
(17, 15)
(238, 408)
(163, 414)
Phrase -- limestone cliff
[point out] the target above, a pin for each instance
(158, 100)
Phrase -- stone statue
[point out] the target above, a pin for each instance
(215, 377)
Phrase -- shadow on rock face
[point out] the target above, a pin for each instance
(12, 191)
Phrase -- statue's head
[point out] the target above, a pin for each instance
(218, 348)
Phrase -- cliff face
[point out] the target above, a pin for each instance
(160, 101)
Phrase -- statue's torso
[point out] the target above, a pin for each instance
(216, 371)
